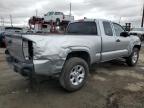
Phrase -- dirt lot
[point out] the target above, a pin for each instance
(111, 85)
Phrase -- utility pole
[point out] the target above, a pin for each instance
(36, 12)
(11, 20)
(70, 8)
(142, 23)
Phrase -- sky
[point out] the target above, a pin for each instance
(115, 10)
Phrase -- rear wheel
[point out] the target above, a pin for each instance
(74, 74)
(133, 58)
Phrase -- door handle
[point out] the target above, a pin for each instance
(118, 40)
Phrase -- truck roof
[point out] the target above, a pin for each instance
(90, 20)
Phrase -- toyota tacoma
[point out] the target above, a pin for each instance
(70, 56)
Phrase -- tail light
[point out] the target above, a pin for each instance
(27, 49)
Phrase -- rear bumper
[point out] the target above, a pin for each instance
(24, 69)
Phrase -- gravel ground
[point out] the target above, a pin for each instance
(111, 85)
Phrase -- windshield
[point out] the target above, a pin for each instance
(50, 13)
(138, 29)
(82, 28)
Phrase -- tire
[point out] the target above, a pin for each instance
(57, 22)
(74, 74)
(133, 58)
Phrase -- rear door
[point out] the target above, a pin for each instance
(122, 43)
(108, 41)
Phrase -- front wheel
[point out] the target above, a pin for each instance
(74, 74)
(133, 58)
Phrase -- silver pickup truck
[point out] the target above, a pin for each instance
(70, 56)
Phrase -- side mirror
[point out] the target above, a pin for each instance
(124, 34)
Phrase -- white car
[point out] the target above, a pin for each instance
(57, 17)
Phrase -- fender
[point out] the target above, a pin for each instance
(79, 48)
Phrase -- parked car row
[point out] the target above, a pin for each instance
(2, 40)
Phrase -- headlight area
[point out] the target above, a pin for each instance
(27, 49)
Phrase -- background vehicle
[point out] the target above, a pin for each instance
(9, 30)
(2, 40)
(70, 56)
(58, 17)
(139, 32)
(14, 29)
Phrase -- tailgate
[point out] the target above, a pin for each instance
(14, 46)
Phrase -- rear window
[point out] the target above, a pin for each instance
(82, 28)
(58, 13)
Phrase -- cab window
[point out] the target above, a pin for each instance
(57, 13)
(50, 13)
(82, 28)
(107, 28)
(118, 29)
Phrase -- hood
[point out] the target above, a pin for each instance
(138, 32)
